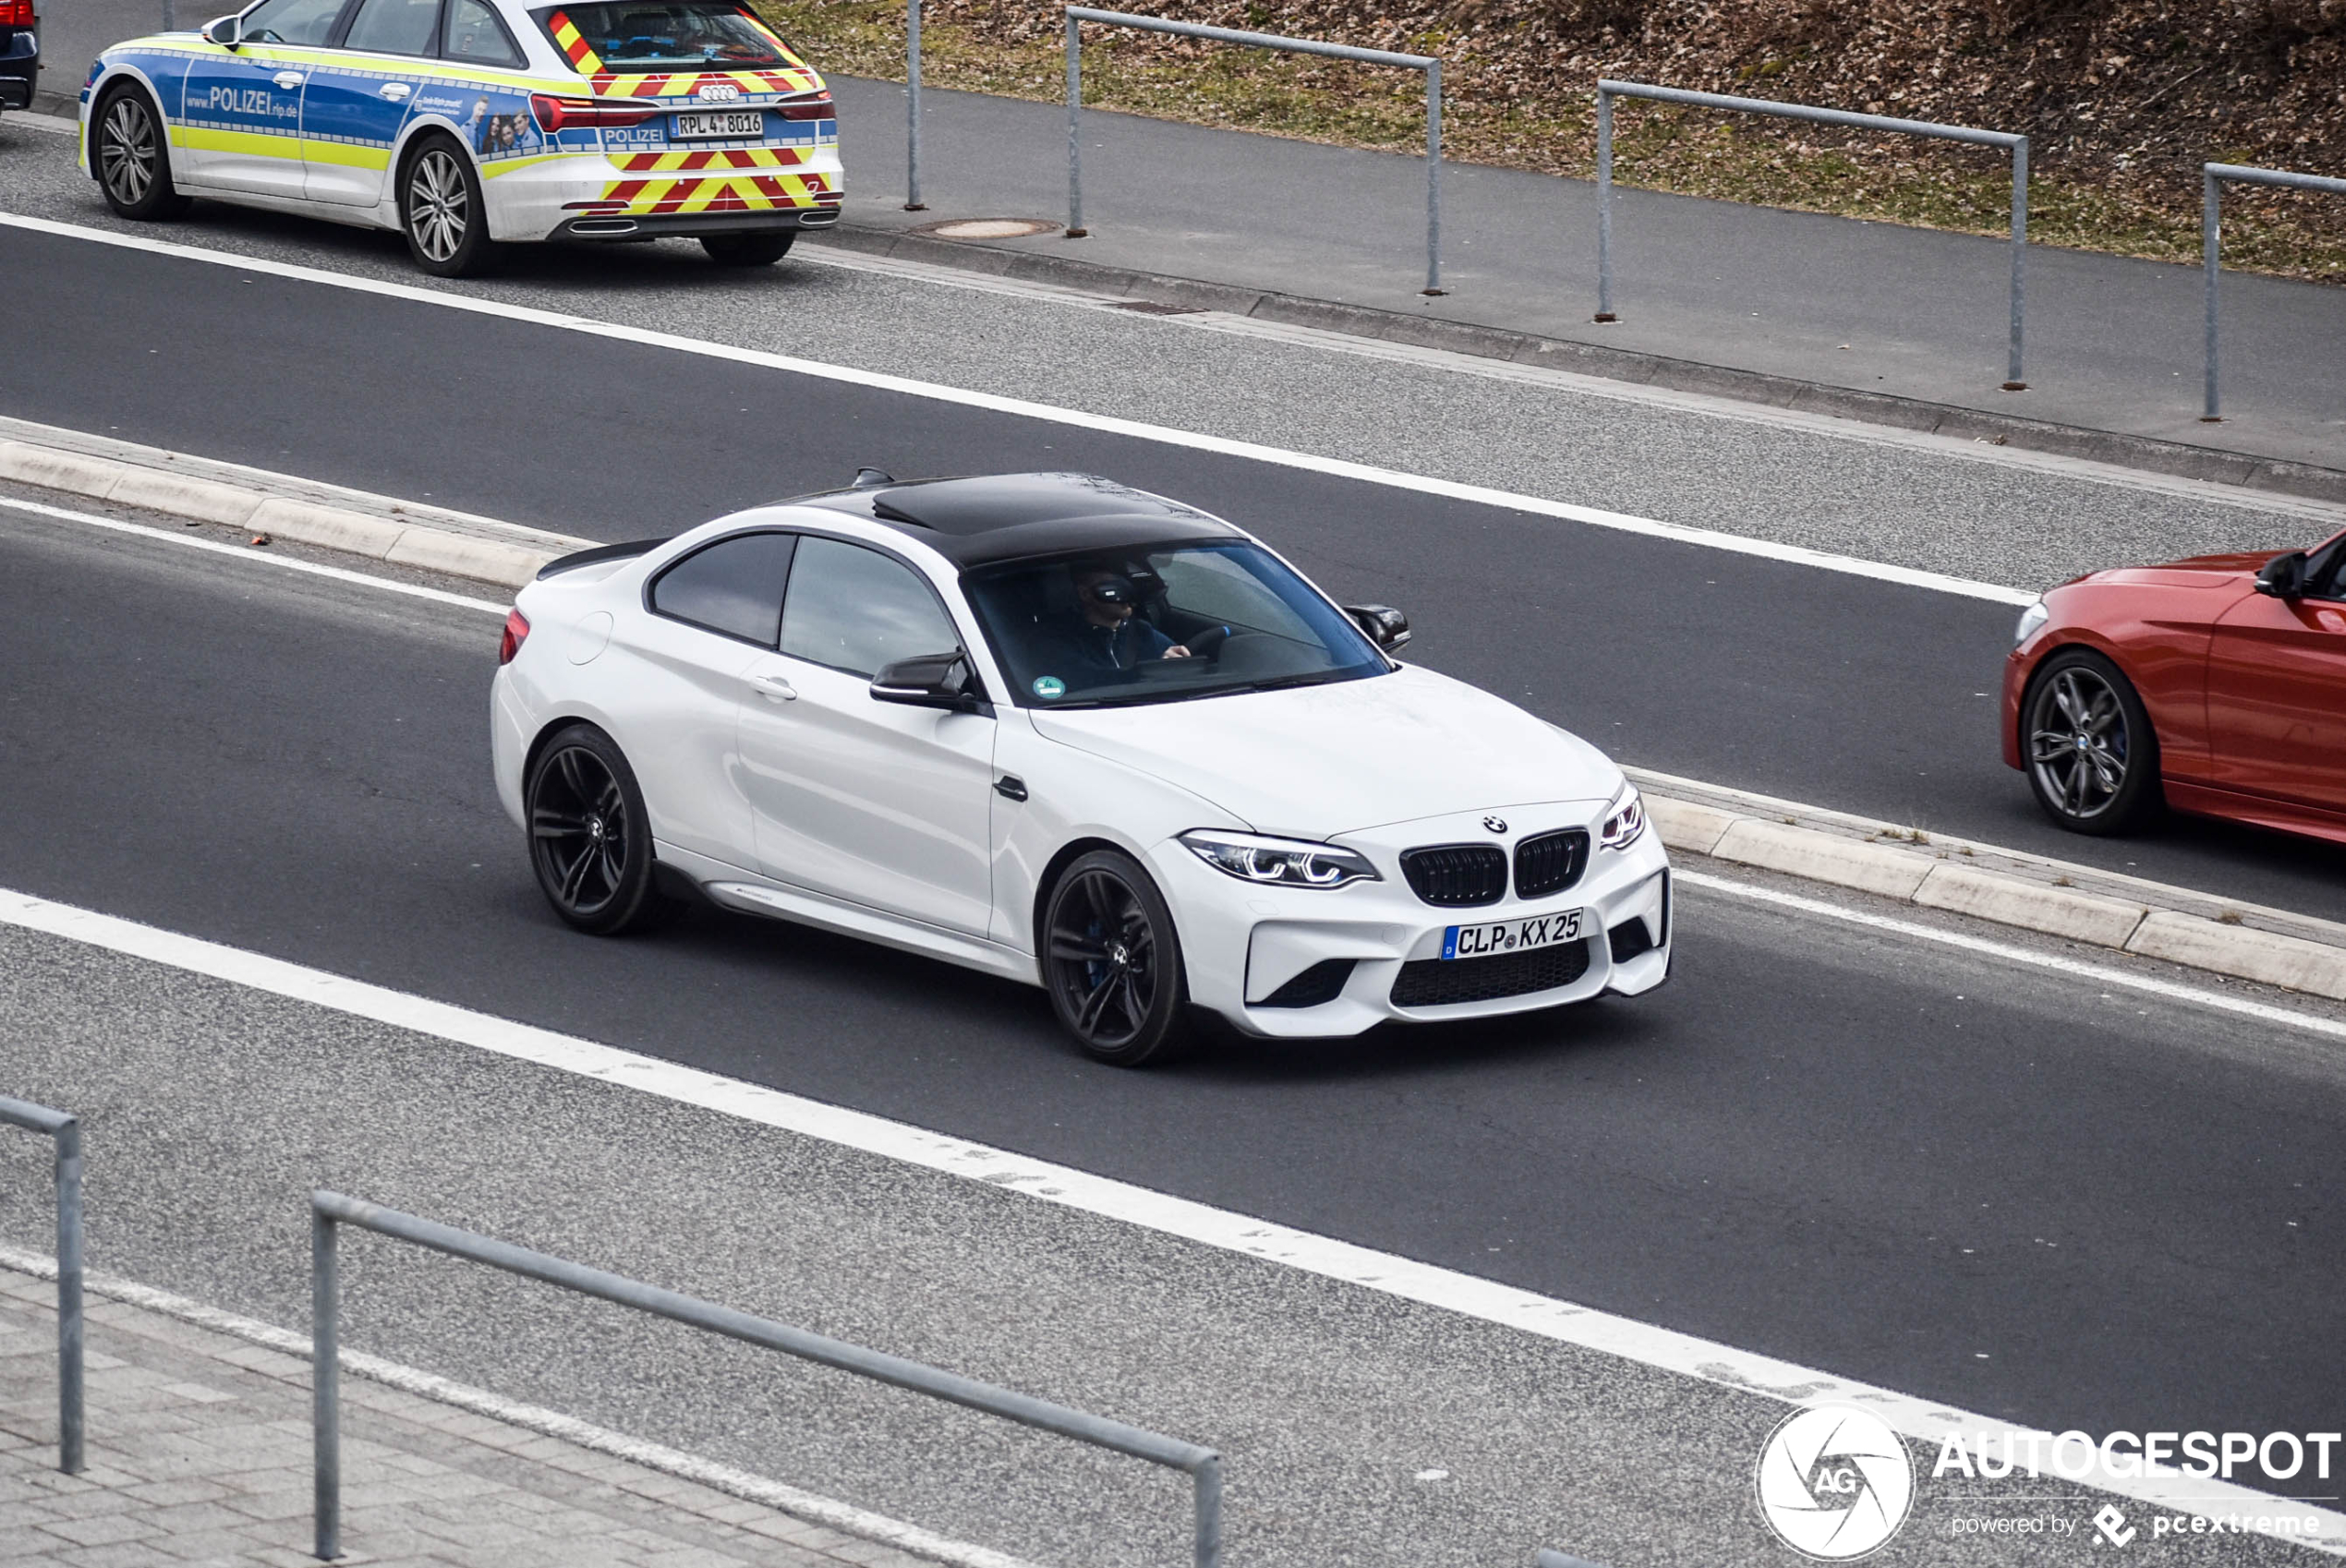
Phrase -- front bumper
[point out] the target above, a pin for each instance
(1243, 943)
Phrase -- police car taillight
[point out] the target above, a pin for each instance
(517, 633)
(553, 114)
(818, 107)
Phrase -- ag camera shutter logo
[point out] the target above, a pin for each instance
(1834, 1483)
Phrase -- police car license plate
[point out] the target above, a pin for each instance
(738, 122)
(1511, 935)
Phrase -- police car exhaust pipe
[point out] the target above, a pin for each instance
(603, 227)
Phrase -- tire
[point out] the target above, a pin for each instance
(761, 249)
(1112, 961)
(130, 157)
(2087, 743)
(441, 211)
(590, 842)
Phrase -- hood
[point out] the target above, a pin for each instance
(2236, 570)
(1316, 761)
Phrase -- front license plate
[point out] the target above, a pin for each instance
(1511, 935)
(738, 122)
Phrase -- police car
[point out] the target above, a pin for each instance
(466, 123)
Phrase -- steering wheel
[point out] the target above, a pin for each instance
(1208, 642)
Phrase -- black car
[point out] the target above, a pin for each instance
(20, 53)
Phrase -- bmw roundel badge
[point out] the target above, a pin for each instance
(1496, 823)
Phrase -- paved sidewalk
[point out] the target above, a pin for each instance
(2114, 344)
(199, 1453)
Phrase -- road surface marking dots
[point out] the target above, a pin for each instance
(285, 562)
(552, 1423)
(1478, 495)
(1486, 1300)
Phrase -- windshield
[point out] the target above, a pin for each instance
(1162, 623)
(652, 35)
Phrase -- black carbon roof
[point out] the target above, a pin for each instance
(996, 517)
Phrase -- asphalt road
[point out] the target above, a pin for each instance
(1821, 687)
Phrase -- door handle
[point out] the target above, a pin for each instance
(774, 688)
(395, 89)
(287, 80)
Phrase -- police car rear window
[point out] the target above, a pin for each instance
(661, 35)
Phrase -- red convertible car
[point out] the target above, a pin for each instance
(2216, 685)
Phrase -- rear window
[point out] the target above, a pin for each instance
(663, 35)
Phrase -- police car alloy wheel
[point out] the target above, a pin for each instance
(133, 170)
(1112, 962)
(445, 218)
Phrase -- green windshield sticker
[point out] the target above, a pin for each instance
(1049, 686)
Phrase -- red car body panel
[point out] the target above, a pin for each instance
(2246, 692)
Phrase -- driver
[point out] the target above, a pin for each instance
(1112, 635)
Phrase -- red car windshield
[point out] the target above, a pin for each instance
(664, 35)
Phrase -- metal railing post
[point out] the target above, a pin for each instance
(1433, 179)
(325, 1384)
(1208, 1477)
(63, 1130)
(2013, 378)
(1604, 204)
(2211, 249)
(913, 203)
(1075, 229)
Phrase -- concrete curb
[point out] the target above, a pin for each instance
(2181, 460)
(1984, 881)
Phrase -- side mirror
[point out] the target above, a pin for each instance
(942, 681)
(2283, 576)
(226, 31)
(1386, 627)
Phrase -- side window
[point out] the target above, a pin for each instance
(292, 21)
(735, 586)
(471, 32)
(856, 610)
(393, 27)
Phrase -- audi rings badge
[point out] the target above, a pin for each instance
(1834, 1483)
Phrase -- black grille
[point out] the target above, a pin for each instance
(1455, 875)
(1443, 983)
(1551, 862)
(1324, 981)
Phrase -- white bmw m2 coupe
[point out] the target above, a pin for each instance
(1056, 729)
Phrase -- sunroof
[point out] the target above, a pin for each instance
(990, 502)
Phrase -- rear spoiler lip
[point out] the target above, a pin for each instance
(578, 559)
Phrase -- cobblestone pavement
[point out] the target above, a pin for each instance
(199, 1453)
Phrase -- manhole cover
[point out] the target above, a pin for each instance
(987, 228)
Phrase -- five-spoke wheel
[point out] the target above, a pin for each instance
(1112, 961)
(2091, 756)
(134, 171)
(440, 202)
(588, 839)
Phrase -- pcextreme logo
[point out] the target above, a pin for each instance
(1834, 1483)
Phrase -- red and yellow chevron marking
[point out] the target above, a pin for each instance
(712, 157)
(721, 193)
(582, 60)
(683, 84)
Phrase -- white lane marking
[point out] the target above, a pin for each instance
(1449, 490)
(288, 563)
(552, 1423)
(1487, 1300)
(2101, 975)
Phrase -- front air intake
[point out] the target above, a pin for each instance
(1457, 875)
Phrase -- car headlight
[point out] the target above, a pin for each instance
(1625, 822)
(2032, 621)
(1292, 862)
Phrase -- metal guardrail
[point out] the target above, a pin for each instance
(330, 1210)
(2016, 145)
(2213, 178)
(65, 1129)
(1548, 1557)
(1078, 14)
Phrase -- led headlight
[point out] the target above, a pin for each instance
(1625, 821)
(1291, 862)
(2032, 621)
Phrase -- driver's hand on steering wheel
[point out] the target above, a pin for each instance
(1175, 651)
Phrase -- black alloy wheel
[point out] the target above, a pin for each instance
(760, 247)
(133, 168)
(1112, 962)
(2091, 756)
(443, 212)
(589, 841)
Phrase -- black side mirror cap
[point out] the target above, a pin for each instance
(1385, 626)
(2283, 576)
(942, 681)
